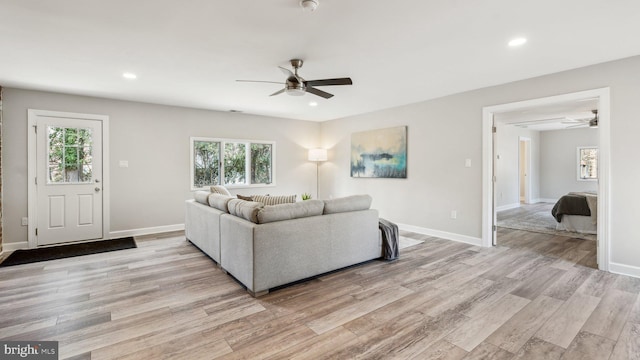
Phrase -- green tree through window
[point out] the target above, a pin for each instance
(231, 162)
(235, 156)
(206, 163)
(70, 154)
(261, 163)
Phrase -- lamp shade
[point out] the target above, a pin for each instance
(318, 154)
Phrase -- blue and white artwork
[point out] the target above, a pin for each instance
(379, 153)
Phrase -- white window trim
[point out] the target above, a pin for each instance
(247, 143)
(579, 158)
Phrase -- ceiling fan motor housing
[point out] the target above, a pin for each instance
(295, 86)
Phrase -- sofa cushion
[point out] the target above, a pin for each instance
(219, 201)
(274, 200)
(219, 189)
(247, 210)
(281, 212)
(347, 203)
(202, 196)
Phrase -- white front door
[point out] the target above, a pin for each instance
(68, 179)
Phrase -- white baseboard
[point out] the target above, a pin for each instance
(9, 247)
(545, 200)
(622, 269)
(15, 246)
(442, 234)
(146, 231)
(507, 207)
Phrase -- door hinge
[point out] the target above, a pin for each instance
(494, 178)
(36, 231)
(494, 129)
(495, 227)
(35, 180)
(35, 128)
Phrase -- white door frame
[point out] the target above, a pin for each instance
(32, 195)
(604, 132)
(527, 168)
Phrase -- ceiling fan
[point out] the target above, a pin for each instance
(297, 86)
(584, 122)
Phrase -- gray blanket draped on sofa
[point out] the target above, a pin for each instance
(389, 239)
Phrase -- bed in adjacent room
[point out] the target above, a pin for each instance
(577, 212)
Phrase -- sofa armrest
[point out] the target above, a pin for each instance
(236, 248)
(202, 228)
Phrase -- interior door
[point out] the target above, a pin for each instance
(68, 180)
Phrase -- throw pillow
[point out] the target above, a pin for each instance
(219, 189)
(347, 203)
(247, 210)
(290, 211)
(219, 201)
(275, 200)
(202, 197)
(242, 197)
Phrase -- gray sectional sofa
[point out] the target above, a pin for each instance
(265, 247)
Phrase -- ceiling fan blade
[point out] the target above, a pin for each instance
(261, 81)
(326, 82)
(277, 92)
(318, 92)
(286, 71)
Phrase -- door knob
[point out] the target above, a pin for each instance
(97, 189)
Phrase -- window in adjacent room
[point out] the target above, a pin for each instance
(232, 163)
(588, 163)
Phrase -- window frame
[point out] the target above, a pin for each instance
(247, 165)
(579, 160)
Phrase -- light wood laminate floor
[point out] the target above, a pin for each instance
(440, 300)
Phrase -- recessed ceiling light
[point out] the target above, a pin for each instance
(129, 75)
(313, 103)
(309, 5)
(517, 42)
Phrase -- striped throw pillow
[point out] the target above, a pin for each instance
(274, 200)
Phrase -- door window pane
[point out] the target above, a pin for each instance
(69, 154)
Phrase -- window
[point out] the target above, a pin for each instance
(232, 163)
(588, 163)
(69, 153)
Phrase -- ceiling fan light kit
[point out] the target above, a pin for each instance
(309, 5)
(295, 85)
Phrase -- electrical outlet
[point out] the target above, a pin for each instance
(25, 221)
(454, 214)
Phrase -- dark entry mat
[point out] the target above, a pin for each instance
(20, 257)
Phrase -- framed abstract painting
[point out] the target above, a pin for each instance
(379, 153)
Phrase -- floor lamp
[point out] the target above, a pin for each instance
(317, 155)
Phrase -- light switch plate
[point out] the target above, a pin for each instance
(124, 163)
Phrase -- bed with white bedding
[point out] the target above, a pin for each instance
(577, 212)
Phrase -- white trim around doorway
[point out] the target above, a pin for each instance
(604, 127)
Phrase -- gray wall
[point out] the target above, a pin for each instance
(508, 166)
(558, 153)
(445, 131)
(155, 141)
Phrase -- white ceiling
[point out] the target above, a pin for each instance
(566, 115)
(189, 53)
